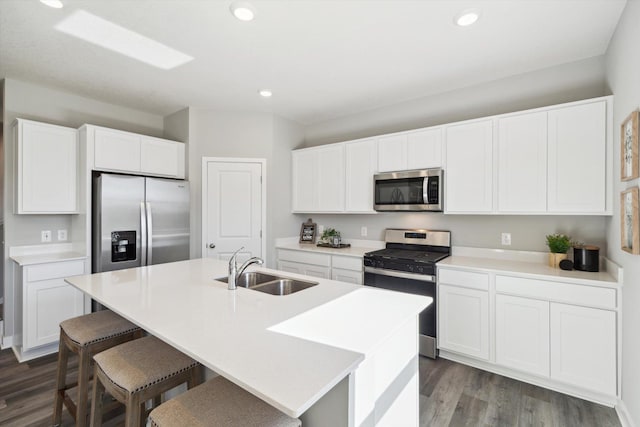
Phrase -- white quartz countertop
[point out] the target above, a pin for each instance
(288, 350)
(44, 258)
(533, 269)
(352, 251)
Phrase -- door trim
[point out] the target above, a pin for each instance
(204, 199)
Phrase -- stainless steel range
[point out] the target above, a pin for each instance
(408, 264)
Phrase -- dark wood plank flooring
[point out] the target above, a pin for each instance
(451, 394)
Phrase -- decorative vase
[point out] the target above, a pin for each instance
(554, 259)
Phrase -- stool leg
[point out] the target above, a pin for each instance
(96, 400)
(133, 414)
(195, 378)
(61, 380)
(83, 387)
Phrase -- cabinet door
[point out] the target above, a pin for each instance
(115, 150)
(522, 334)
(522, 163)
(577, 158)
(424, 149)
(469, 167)
(303, 176)
(47, 168)
(361, 161)
(583, 347)
(160, 157)
(330, 180)
(48, 303)
(463, 321)
(392, 153)
(348, 276)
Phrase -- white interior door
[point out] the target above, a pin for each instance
(233, 208)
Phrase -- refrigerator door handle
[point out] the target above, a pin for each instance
(149, 235)
(143, 234)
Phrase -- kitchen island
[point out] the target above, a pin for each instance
(334, 354)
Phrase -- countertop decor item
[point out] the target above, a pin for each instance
(330, 245)
(629, 233)
(332, 237)
(586, 258)
(308, 232)
(558, 244)
(629, 148)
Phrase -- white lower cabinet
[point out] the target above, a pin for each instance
(321, 265)
(583, 347)
(522, 334)
(44, 301)
(463, 320)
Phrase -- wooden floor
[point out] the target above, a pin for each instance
(451, 394)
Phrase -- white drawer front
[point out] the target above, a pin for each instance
(305, 257)
(585, 295)
(467, 279)
(347, 262)
(54, 270)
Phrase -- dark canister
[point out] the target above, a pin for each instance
(586, 258)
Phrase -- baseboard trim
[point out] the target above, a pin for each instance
(6, 342)
(623, 414)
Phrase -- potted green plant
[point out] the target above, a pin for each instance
(331, 236)
(558, 244)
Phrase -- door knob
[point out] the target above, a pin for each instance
(212, 246)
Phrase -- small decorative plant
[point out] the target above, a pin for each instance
(328, 234)
(558, 243)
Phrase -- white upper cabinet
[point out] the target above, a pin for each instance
(318, 179)
(424, 149)
(522, 163)
(361, 160)
(469, 167)
(46, 161)
(418, 149)
(577, 158)
(120, 151)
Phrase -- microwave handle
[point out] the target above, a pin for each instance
(425, 190)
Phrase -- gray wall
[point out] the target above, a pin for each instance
(623, 77)
(215, 133)
(564, 83)
(30, 101)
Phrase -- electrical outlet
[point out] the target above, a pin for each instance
(320, 229)
(506, 239)
(45, 236)
(62, 235)
(363, 231)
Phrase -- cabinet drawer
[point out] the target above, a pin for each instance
(467, 279)
(54, 270)
(557, 291)
(347, 263)
(304, 257)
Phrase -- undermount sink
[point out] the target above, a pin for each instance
(270, 284)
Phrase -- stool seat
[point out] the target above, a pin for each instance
(95, 327)
(137, 371)
(139, 364)
(219, 402)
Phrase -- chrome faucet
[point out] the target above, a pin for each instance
(235, 271)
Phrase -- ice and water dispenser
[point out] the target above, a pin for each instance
(123, 246)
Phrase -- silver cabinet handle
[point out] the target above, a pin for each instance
(212, 245)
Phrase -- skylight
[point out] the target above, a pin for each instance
(99, 31)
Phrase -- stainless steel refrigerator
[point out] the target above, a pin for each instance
(138, 221)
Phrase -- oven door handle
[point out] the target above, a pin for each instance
(401, 274)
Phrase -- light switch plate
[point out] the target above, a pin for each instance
(45, 236)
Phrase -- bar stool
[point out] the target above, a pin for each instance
(137, 371)
(219, 402)
(86, 336)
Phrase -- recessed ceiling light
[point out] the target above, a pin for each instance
(99, 31)
(467, 17)
(242, 10)
(57, 4)
(265, 93)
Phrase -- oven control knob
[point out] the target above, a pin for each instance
(410, 268)
(420, 269)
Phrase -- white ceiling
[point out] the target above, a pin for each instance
(321, 58)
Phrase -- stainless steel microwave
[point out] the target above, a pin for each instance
(415, 190)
